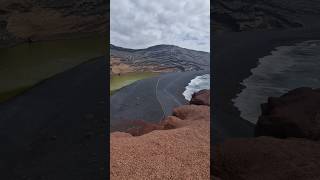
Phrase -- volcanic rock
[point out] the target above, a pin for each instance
(182, 116)
(140, 127)
(295, 114)
(201, 98)
(245, 15)
(266, 158)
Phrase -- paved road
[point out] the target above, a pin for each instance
(56, 129)
(150, 99)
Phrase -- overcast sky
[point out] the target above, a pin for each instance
(143, 23)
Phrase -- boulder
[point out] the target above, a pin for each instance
(294, 114)
(201, 98)
(266, 158)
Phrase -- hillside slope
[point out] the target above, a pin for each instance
(161, 58)
(33, 20)
(232, 15)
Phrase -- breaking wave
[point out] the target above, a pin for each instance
(197, 84)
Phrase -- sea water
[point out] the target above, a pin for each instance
(197, 84)
(287, 68)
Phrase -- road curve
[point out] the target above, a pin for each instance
(150, 99)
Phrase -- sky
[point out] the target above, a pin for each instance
(140, 24)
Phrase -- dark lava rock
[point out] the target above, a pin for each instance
(201, 98)
(295, 114)
(245, 15)
(266, 158)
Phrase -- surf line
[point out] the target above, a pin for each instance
(163, 114)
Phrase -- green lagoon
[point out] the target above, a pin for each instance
(117, 82)
(25, 65)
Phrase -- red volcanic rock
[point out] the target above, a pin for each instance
(295, 114)
(266, 158)
(140, 127)
(201, 98)
(181, 117)
(172, 122)
(192, 112)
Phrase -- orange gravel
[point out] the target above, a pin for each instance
(180, 153)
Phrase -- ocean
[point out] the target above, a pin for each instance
(196, 84)
(287, 68)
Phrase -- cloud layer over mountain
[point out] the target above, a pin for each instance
(143, 23)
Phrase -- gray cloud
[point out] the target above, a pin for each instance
(143, 23)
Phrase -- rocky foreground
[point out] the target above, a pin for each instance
(286, 145)
(178, 147)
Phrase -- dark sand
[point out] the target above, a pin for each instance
(149, 99)
(56, 130)
(235, 54)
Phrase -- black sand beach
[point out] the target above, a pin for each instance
(240, 51)
(150, 99)
(56, 130)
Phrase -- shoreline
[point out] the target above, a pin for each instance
(28, 88)
(246, 48)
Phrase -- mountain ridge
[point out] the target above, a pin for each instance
(159, 57)
(113, 46)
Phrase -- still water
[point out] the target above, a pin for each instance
(117, 82)
(25, 65)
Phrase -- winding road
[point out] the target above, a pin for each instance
(150, 99)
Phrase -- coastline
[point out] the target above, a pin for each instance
(246, 48)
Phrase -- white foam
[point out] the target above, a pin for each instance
(197, 84)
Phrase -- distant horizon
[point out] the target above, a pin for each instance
(138, 24)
